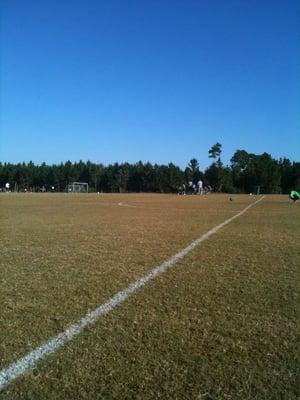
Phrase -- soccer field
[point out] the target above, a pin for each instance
(221, 323)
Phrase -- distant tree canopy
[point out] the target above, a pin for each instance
(215, 151)
(246, 172)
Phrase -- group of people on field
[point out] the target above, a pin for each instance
(200, 188)
(194, 188)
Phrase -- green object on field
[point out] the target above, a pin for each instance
(294, 195)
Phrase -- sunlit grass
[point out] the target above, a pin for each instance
(221, 324)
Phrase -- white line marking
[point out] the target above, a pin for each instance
(128, 205)
(19, 367)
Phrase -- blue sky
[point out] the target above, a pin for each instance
(151, 80)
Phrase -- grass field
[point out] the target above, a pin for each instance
(223, 323)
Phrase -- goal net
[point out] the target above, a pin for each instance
(78, 187)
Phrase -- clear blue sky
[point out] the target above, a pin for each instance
(151, 80)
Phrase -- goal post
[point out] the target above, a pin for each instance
(78, 187)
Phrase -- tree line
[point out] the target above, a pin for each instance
(246, 172)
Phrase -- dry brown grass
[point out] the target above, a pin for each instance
(222, 324)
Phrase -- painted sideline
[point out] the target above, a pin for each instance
(19, 367)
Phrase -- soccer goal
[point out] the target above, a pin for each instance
(78, 187)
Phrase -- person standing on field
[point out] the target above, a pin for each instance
(190, 186)
(200, 187)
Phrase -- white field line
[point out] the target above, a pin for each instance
(19, 367)
(130, 205)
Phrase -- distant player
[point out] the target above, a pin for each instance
(294, 195)
(190, 187)
(200, 187)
